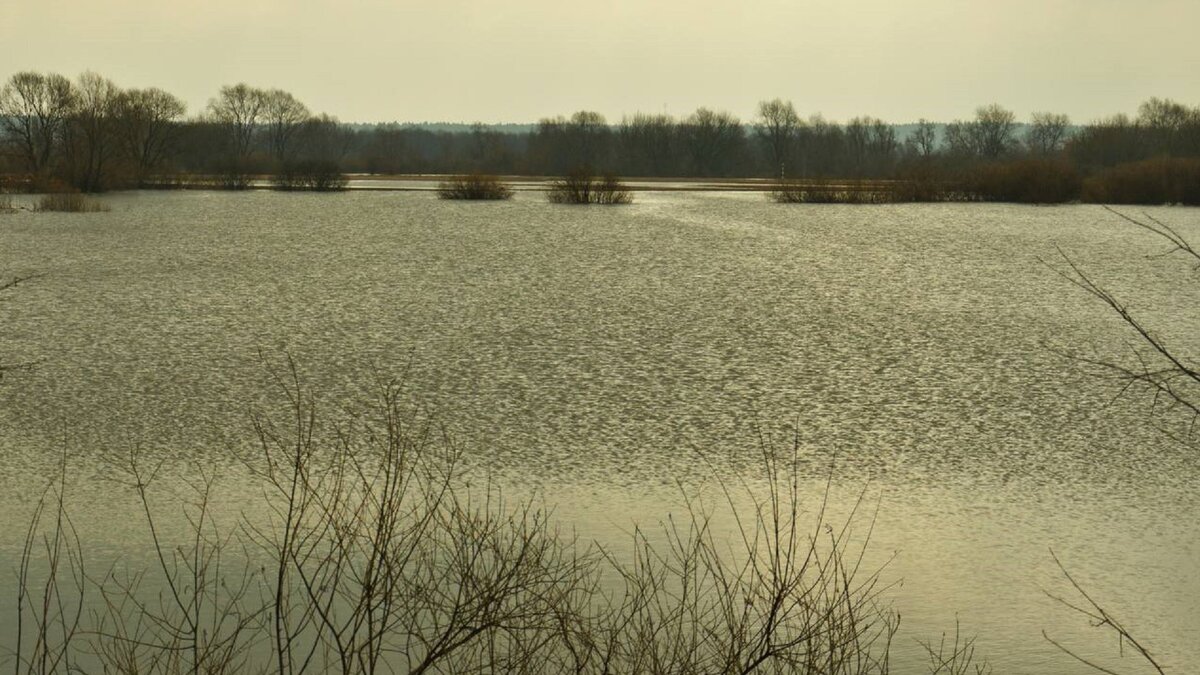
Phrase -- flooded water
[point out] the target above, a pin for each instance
(611, 360)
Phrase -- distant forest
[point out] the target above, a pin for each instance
(91, 135)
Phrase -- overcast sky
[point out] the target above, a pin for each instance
(518, 60)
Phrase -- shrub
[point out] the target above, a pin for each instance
(826, 192)
(582, 187)
(69, 202)
(6, 204)
(925, 184)
(1024, 181)
(474, 186)
(175, 181)
(1153, 181)
(315, 175)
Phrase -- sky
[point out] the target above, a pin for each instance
(521, 60)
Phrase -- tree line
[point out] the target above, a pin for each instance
(92, 135)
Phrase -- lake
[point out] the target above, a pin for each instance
(612, 361)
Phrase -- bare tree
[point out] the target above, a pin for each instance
(647, 144)
(589, 137)
(1165, 126)
(91, 138)
(239, 109)
(991, 135)
(776, 129)
(1047, 133)
(1162, 113)
(714, 139)
(148, 128)
(283, 116)
(34, 109)
(857, 144)
(923, 140)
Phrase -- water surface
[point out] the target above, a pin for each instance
(609, 359)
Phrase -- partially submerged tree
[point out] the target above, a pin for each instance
(474, 187)
(584, 187)
(91, 139)
(148, 127)
(238, 111)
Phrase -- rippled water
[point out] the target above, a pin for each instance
(596, 356)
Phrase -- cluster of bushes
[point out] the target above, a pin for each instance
(831, 192)
(583, 187)
(69, 202)
(1023, 181)
(1155, 181)
(474, 186)
(312, 175)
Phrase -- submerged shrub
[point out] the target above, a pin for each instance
(1168, 180)
(69, 202)
(582, 187)
(314, 175)
(826, 192)
(474, 186)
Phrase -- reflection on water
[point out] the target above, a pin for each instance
(609, 358)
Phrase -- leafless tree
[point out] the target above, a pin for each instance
(648, 144)
(713, 139)
(777, 125)
(92, 142)
(148, 128)
(1161, 113)
(589, 136)
(1170, 376)
(323, 137)
(923, 140)
(989, 136)
(34, 110)
(240, 109)
(858, 139)
(993, 131)
(1169, 127)
(283, 116)
(1047, 133)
